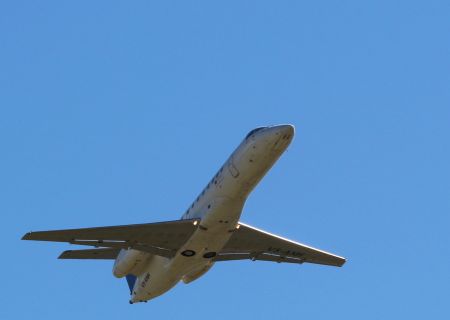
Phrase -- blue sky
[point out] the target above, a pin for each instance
(116, 112)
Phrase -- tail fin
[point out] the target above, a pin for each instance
(131, 280)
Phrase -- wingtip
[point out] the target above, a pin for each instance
(26, 236)
(63, 254)
(342, 262)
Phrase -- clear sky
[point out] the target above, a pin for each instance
(118, 112)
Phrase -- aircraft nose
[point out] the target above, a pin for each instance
(286, 130)
(279, 137)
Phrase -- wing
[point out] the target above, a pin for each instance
(250, 243)
(161, 238)
(101, 253)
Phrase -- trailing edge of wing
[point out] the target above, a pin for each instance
(259, 257)
(248, 242)
(101, 253)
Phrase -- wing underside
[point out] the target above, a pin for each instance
(161, 238)
(251, 243)
(165, 239)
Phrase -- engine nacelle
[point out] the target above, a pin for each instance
(194, 275)
(129, 261)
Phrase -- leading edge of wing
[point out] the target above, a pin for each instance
(262, 243)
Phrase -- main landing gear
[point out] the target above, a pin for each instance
(188, 253)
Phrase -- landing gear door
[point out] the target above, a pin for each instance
(232, 168)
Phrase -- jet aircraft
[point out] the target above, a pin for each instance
(154, 257)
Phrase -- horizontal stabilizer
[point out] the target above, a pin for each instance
(107, 254)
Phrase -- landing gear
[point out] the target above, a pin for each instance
(188, 253)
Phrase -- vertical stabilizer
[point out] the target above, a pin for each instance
(131, 279)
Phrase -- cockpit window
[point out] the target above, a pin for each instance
(253, 131)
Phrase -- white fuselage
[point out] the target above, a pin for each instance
(218, 207)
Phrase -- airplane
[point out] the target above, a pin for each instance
(154, 257)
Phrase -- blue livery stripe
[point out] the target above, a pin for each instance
(131, 279)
